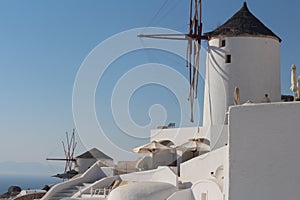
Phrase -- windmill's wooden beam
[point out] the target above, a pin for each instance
(161, 37)
(164, 36)
(61, 159)
(173, 36)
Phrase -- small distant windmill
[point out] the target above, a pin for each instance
(69, 149)
(194, 38)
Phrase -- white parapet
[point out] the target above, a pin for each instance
(264, 158)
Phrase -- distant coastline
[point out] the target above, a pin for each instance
(31, 175)
(25, 181)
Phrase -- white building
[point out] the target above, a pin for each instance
(87, 159)
(242, 53)
(254, 148)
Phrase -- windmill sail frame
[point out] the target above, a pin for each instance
(194, 38)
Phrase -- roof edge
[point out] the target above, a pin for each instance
(246, 35)
(242, 23)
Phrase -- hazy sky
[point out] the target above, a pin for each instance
(43, 44)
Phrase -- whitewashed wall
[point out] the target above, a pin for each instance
(198, 172)
(264, 151)
(201, 167)
(161, 174)
(254, 69)
(84, 164)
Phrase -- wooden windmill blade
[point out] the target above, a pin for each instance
(198, 47)
(197, 70)
(194, 38)
(74, 144)
(69, 149)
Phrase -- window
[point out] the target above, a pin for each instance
(228, 58)
(222, 43)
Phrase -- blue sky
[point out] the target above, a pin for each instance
(43, 44)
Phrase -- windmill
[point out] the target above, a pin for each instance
(194, 38)
(69, 149)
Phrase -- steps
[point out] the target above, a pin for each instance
(66, 194)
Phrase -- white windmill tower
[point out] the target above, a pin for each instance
(242, 53)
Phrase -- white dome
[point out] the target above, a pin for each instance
(143, 190)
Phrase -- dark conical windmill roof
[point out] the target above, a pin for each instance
(95, 153)
(242, 23)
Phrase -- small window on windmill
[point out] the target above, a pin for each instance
(222, 43)
(228, 58)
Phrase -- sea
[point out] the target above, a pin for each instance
(26, 181)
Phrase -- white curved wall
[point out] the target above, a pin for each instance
(254, 69)
(186, 194)
(142, 191)
(201, 167)
(207, 190)
(161, 174)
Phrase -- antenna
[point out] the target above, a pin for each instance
(194, 38)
